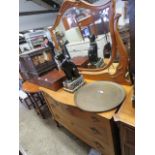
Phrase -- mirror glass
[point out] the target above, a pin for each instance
(84, 36)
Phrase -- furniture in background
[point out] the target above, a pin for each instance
(39, 67)
(125, 118)
(132, 35)
(37, 61)
(35, 96)
(132, 43)
(24, 98)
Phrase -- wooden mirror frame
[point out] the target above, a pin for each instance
(117, 43)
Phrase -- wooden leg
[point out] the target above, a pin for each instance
(43, 116)
(25, 101)
(31, 99)
(27, 104)
(58, 125)
(38, 107)
(20, 100)
(41, 98)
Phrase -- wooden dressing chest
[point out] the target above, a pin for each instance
(96, 129)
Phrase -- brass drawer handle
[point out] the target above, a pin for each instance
(98, 145)
(95, 131)
(95, 119)
(56, 116)
(72, 123)
(52, 105)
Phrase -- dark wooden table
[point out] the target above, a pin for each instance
(35, 96)
(30, 87)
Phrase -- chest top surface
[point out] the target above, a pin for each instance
(126, 113)
(67, 98)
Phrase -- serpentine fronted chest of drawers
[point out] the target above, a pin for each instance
(96, 129)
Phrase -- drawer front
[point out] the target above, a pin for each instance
(88, 126)
(129, 136)
(129, 150)
(83, 134)
(89, 122)
(127, 140)
(91, 128)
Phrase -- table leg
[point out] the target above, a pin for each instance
(31, 99)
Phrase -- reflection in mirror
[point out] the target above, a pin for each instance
(75, 34)
(113, 68)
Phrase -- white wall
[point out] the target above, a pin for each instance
(120, 9)
(34, 21)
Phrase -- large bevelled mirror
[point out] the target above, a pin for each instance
(76, 26)
(86, 34)
(79, 25)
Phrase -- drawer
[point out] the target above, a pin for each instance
(90, 127)
(86, 117)
(88, 122)
(129, 150)
(83, 134)
(129, 137)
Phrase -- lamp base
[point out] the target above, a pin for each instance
(72, 86)
(98, 64)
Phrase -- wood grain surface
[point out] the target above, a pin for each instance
(126, 113)
(67, 98)
(30, 87)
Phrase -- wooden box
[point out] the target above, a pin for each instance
(51, 80)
